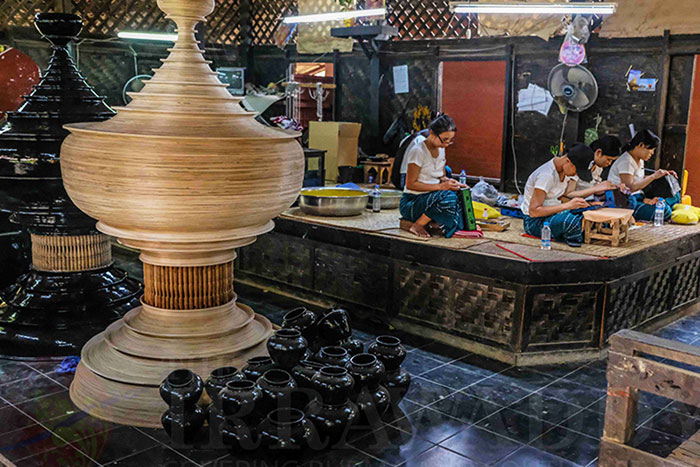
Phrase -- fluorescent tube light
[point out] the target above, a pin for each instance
(584, 8)
(147, 36)
(335, 16)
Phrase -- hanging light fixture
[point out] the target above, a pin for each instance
(334, 16)
(147, 36)
(583, 8)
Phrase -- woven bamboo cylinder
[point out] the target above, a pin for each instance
(188, 288)
(70, 253)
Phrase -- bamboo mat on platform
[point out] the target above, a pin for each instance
(382, 223)
(387, 223)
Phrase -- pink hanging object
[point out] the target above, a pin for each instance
(572, 53)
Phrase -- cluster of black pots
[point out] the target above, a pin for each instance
(316, 384)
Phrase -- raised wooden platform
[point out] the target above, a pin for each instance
(500, 296)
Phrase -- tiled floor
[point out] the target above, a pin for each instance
(461, 410)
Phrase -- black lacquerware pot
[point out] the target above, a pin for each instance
(287, 347)
(389, 350)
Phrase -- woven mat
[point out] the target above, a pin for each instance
(527, 253)
(387, 223)
(381, 223)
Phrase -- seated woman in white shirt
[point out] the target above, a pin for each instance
(605, 151)
(543, 192)
(629, 170)
(429, 195)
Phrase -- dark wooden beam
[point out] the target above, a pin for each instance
(663, 92)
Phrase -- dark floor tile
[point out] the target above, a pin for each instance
(438, 456)
(515, 425)
(443, 352)
(53, 370)
(481, 445)
(689, 325)
(159, 435)
(417, 364)
(559, 370)
(497, 390)
(14, 371)
(430, 425)
(203, 455)
(115, 444)
(49, 407)
(545, 408)
(573, 393)
(525, 378)
(396, 412)
(674, 423)
(654, 400)
(528, 456)
(655, 442)
(466, 408)
(677, 334)
(363, 336)
(426, 392)
(59, 457)
(587, 422)
(35, 385)
(78, 426)
(685, 409)
(452, 376)
(12, 419)
(158, 455)
(589, 376)
(346, 457)
(393, 446)
(644, 411)
(575, 447)
(481, 365)
(28, 441)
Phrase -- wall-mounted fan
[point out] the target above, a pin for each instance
(574, 88)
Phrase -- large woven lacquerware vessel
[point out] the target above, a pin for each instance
(186, 175)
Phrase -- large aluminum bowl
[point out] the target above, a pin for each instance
(332, 201)
(389, 199)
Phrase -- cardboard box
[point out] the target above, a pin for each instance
(339, 140)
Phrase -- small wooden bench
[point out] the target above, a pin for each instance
(630, 370)
(607, 224)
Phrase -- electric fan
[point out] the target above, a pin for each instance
(574, 88)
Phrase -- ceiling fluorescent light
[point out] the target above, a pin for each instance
(335, 16)
(583, 8)
(147, 36)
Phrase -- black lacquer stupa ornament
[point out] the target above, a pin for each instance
(72, 289)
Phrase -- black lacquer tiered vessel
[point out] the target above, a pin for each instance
(72, 290)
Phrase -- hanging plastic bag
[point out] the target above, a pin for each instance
(485, 193)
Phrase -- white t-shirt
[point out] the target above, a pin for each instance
(626, 164)
(431, 168)
(545, 178)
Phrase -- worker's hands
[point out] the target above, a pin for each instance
(607, 185)
(452, 185)
(576, 203)
(624, 189)
(661, 173)
(651, 201)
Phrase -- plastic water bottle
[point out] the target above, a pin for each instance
(486, 213)
(377, 199)
(546, 242)
(659, 213)
(463, 177)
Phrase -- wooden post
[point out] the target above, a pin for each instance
(663, 94)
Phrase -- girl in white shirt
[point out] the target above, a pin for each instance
(605, 151)
(429, 195)
(543, 192)
(629, 170)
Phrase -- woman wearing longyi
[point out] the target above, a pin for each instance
(429, 194)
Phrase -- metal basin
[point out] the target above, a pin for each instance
(331, 201)
(389, 199)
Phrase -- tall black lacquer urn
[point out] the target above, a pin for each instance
(72, 290)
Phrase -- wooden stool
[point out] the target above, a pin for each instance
(382, 168)
(618, 223)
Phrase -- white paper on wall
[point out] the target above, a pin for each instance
(401, 79)
(534, 99)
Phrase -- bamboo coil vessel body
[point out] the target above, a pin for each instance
(186, 175)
